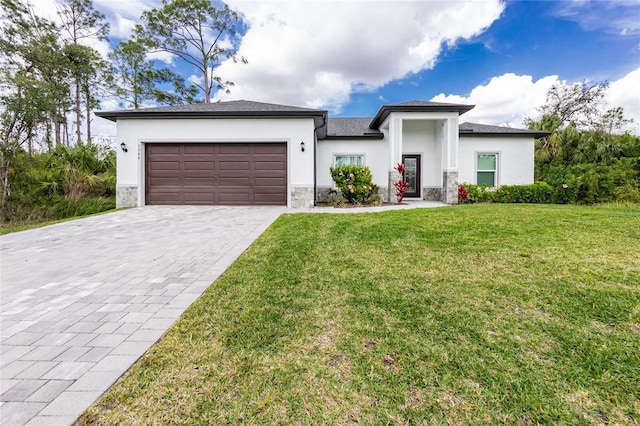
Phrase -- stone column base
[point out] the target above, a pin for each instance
(302, 197)
(432, 194)
(394, 176)
(126, 196)
(450, 187)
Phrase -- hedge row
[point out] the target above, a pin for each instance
(560, 184)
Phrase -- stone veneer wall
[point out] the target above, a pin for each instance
(450, 187)
(324, 194)
(126, 196)
(432, 194)
(394, 176)
(301, 197)
(383, 193)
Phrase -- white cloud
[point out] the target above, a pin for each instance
(162, 56)
(617, 17)
(317, 53)
(121, 27)
(625, 93)
(195, 79)
(508, 99)
(122, 15)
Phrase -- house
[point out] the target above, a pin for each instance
(252, 153)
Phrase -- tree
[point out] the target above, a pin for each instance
(613, 122)
(137, 80)
(82, 22)
(579, 103)
(196, 33)
(33, 85)
(580, 131)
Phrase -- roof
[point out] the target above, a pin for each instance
(227, 109)
(355, 128)
(349, 128)
(475, 129)
(417, 106)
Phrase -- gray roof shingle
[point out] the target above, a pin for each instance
(417, 106)
(213, 107)
(475, 129)
(228, 109)
(357, 127)
(352, 128)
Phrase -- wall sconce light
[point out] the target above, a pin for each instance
(124, 147)
(302, 146)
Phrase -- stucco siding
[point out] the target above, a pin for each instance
(135, 132)
(515, 158)
(376, 154)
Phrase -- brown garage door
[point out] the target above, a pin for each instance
(216, 174)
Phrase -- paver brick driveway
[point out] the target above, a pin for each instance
(81, 301)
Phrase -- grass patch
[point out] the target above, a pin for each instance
(24, 225)
(464, 315)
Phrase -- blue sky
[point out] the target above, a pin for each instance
(530, 38)
(350, 57)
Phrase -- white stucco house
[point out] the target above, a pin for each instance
(252, 153)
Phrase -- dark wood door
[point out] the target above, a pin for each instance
(216, 174)
(412, 175)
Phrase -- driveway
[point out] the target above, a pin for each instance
(81, 301)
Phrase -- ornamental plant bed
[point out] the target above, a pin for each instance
(346, 205)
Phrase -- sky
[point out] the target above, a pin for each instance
(352, 57)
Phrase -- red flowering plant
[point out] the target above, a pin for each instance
(400, 185)
(463, 195)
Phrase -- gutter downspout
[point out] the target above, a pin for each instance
(315, 171)
(315, 162)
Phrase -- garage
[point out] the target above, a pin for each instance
(216, 173)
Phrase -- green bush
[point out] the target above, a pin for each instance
(537, 193)
(65, 182)
(592, 183)
(627, 193)
(479, 193)
(354, 182)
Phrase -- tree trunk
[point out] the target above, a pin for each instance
(78, 115)
(66, 134)
(207, 86)
(56, 129)
(48, 138)
(88, 107)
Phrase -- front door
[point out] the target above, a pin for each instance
(412, 175)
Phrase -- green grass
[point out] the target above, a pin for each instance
(38, 223)
(515, 314)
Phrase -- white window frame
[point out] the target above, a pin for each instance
(496, 171)
(335, 158)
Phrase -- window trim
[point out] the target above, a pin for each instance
(496, 171)
(335, 157)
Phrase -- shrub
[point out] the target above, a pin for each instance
(592, 183)
(628, 193)
(64, 182)
(400, 185)
(479, 194)
(354, 182)
(537, 193)
(463, 195)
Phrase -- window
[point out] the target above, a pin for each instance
(348, 160)
(487, 169)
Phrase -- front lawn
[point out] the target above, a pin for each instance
(475, 314)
